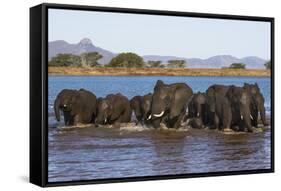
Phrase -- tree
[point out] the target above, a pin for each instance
(90, 59)
(176, 64)
(154, 64)
(268, 65)
(126, 60)
(65, 60)
(237, 66)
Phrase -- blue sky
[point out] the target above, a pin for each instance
(162, 35)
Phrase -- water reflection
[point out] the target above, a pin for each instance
(168, 148)
(93, 153)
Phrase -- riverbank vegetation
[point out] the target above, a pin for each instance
(80, 71)
(131, 64)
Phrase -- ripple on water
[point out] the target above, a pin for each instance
(89, 152)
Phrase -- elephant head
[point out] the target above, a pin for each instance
(67, 101)
(252, 88)
(146, 101)
(257, 101)
(212, 92)
(135, 104)
(199, 100)
(104, 111)
(240, 104)
(113, 108)
(169, 102)
(161, 100)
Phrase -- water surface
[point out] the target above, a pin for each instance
(97, 153)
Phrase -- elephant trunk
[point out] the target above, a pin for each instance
(262, 114)
(156, 123)
(157, 109)
(199, 110)
(146, 115)
(246, 117)
(57, 109)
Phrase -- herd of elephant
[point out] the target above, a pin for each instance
(226, 108)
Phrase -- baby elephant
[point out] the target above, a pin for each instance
(141, 105)
(77, 106)
(114, 108)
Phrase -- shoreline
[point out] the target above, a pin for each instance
(88, 71)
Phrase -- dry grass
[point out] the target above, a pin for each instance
(77, 71)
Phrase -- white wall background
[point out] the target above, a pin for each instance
(14, 96)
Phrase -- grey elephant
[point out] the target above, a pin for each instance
(223, 113)
(114, 108)
(257, 103)
(211, 93)
(169, 103)
(135, 104)
(78, 106)
(240, 101)
(197, 108)
(141, 106)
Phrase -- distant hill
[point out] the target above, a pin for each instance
(219, 61)
(164, 59)
(85, 45)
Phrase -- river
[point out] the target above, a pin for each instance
(134, 151)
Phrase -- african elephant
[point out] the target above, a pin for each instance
(135, 104)
(240, 101)
(141, 105)
(223, 113)
(211, 94)
(197, 107)
(78, 106)
(216, 89)
(169, 103)
(114, 108)
(257, 103)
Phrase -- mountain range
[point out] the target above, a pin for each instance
(219, 61)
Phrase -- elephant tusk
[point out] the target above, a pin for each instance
(241, 117)
(158, 115)
(251, 117)
(149, 117)
(64, 105)
(198, 114)
(105, 120)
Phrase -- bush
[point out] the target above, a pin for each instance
(126, 60)
(237, 66)
(176, 64)
(65, 60)
(268, 65)
(90, 59)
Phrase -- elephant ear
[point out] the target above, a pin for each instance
(230, 93)
(158, 85)
(257, 86)
(210, 91)
(179, 102)
(76, 103)
(210, 101)
(115, 105)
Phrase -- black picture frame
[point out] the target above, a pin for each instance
(39, 91)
